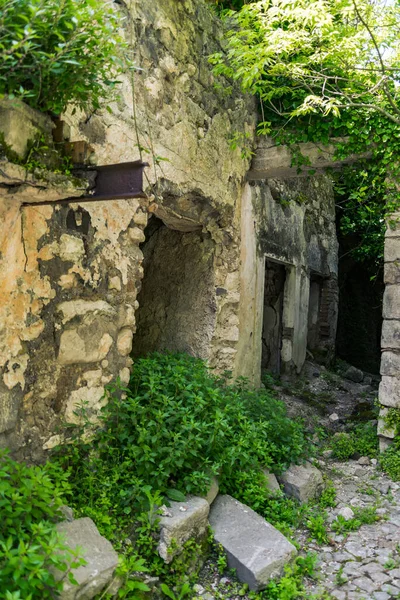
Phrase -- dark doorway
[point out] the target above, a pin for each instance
(275, 277)
(313, 333)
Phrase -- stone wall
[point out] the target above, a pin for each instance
(389, 389)
(71, 273)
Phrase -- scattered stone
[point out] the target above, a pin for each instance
(303, 482)
(212, 491)
(191, 523)
(270, 481)
(334, 417)
(67, 513)
(346, 513)
(254, 547)
(374, 462)
(354, 374)
(198, 589)
(101, 560)
(364, 460)
(367, 380)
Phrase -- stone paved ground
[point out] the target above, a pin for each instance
(366, 563)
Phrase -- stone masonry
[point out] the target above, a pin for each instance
(389, 390)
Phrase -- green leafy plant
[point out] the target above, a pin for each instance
(362, 439)
(56, 52)
(362, 516)
(173, 426)
(390, 460)
(179, 595)
(31, 551)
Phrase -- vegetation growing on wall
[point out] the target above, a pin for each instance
(56, 52)
(327, 70)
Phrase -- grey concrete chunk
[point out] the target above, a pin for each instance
(254, 547)
(186, 520)
(303, 482)
(101, 559)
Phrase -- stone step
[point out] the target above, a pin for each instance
(253, 546)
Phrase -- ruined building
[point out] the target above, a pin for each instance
(232, 262)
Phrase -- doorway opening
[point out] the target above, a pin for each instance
(177, 308)
(275, 277)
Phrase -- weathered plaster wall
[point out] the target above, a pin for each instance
(71, 274)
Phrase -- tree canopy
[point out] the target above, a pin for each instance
(326, 69)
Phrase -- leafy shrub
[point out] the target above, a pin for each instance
(30, 498)
(58, 51)
(390, 460)
(362, 439)
(176, 424)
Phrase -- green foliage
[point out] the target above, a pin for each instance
(30, 498)
(328, 496)
(362, 516)
(327, 70)
(392, 420)
(362, 439)
(175, 425)
(290, 586)
(56, 52)
(390, 460)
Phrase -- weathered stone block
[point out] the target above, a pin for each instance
(390, 334)
(383, 429)
(354, 374)
(384, 443)
(303, 482)
(253, 546)
(188, 520)
(21, 124)
(392, 249)
(212, 491)
(390, 364)
(393, 226)
(392, 272)
(389, 391)
(78, 346)
(270, 481)
(101, 559)
(391, 302)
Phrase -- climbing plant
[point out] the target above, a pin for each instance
(55, 52)
(324, 70)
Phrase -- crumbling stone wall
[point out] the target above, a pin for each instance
(291, 222)
(71, 273)
(177, 308)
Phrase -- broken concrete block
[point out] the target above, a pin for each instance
(270, 481)
(303, 482)
(187, 520)
(253, 546)
(101, 559)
